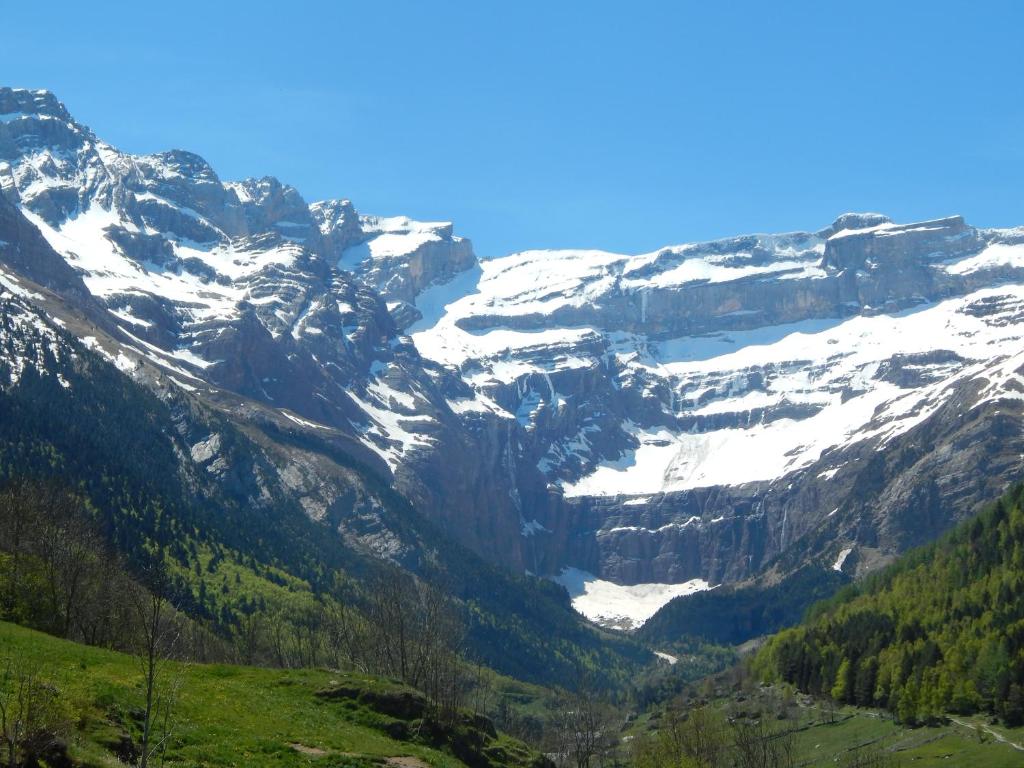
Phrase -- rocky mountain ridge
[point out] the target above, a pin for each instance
(709, 411)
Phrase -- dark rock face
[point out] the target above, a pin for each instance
(339, 225)
(708, 411)
(26, 252)
(892, 248)
(882, 501)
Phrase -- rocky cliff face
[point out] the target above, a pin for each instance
(235, 287)
(708, 410)
(705, 410)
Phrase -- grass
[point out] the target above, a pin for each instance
(819, 743)
(226, 715)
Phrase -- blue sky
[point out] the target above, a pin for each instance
(622, 126)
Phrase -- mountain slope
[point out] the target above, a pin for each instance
(709, 410)
(941, 630)
(165, 472)
(731, 615)
(705, 414)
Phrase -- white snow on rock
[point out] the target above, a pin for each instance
(390, 237)
(617, 605)
(831, 366)
(300, 421)
(389, 433)
(26, 338)
(529, 528)
(107, 272)
(996, 255)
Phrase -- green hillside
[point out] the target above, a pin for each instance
(941, 631)
(790, 730)
(242, 716)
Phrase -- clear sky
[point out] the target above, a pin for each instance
(624, 126)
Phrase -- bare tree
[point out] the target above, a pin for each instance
(18, 521)
(250, 635)
(70, 552)
(416, 637)
(31, 717)
(157, 633)
(584, 727)
(347, 636)
(392, 621)
(830, 710)
(482, 694)
(756, 744)
(307, 628)
(699, 735)
(61, 576)
(105, 613)
(278, 631)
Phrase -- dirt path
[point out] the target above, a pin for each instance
(407, 762)
(306, 750)
(994, 734)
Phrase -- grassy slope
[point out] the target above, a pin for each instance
(819, 743)
(965, 741)
(226, 715)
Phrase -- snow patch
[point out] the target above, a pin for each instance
(617, 605)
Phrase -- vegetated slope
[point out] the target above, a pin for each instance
(164, 473)
(940, 631)
(228, 715)
(713, 729)
(732, 615)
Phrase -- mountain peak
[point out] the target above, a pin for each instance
(855, 220)
(21, 101)
(183, 163)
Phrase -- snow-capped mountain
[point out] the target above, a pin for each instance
(727, 362)
(700, 410)
(683, 417)
(237, 287)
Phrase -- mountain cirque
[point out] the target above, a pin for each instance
(704, 412)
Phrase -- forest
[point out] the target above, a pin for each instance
(940, 631)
